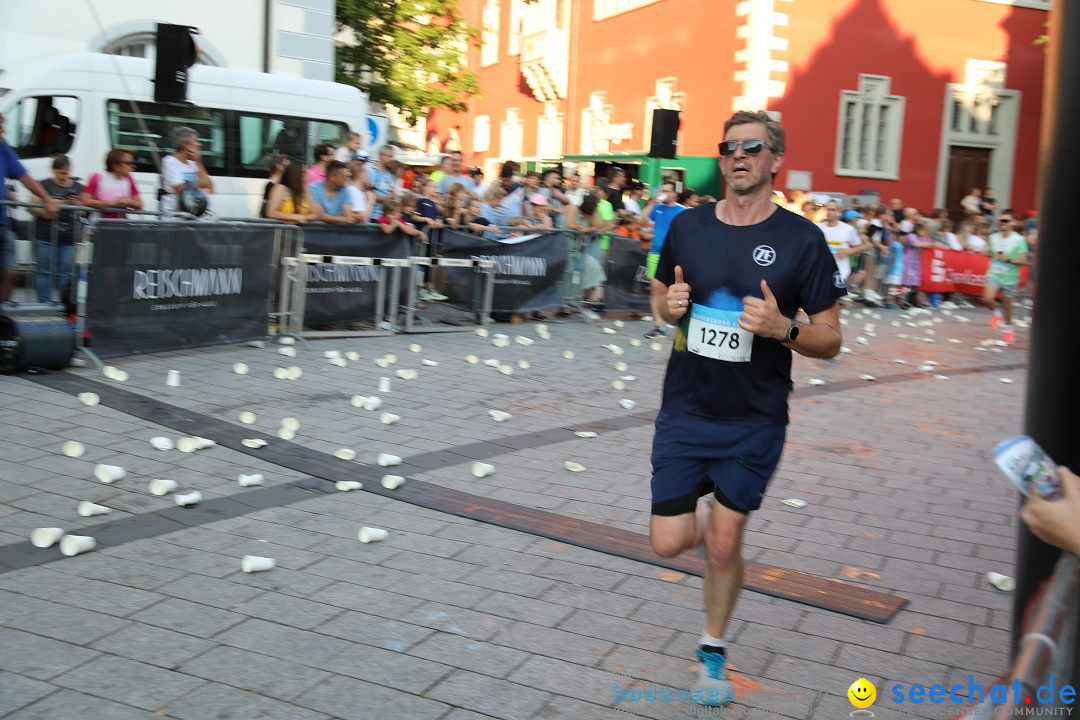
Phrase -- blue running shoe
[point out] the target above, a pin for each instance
(712, 687)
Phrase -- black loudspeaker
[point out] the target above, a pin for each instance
(35, 336)
(176, 52)
(665, 134)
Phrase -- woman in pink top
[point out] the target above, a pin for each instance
(114, 188)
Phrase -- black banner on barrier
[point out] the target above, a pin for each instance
(627, 286)
(346, 293)
(528, 269)
(174, 285)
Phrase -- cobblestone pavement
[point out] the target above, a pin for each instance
(451, 618)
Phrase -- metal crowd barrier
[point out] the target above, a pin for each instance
(1047, 650)
(481, 300)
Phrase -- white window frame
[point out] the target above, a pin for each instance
(604, 9)
(481, 133)
(512, 135)
(858, 157)
(517, 18)
(489, 38)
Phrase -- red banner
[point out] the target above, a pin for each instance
(945, 271)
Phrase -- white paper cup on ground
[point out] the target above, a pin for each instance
(345, 454)
(618, 384)
(585, 434)
(89, 399)
(338, 362)
(172, 378)
(388, 460)
(384, 384)
(472, 359)
(506, 369)
(46, 537)
(416, 347)
(187, 499)
(290, 423)
(390, 358)
(89, 509)
(294, 373)
(635, 342)
(481, 470)
(286, 434)
(482, 332)
(372, 403)
(621, 366)
(492, 362)
(348, 485)
(121, 376)
(389, 418)
(72, 545)
(109, 473)
(656, 346)
(407, 374)
(281, 373)
(287, 351)
(247, 417)
(499, 415)
(110, 372)
(573, 466)
(392, 482)
(358, 401)
(286, 340)
(73, 449)
(253, 443)
(381, 362)
(370, 534)
(331, 354)
(522, 340)
(1001, 582)
(568, 354)
(523, 364)
(352, 356)
(161, 487)
(241, 368)
(254, 563)
(188, 444)
(162, 443)
(251, 480)
(429, 363)
(255, 344)
(627, 404)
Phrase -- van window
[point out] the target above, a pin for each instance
(141, 126)
(43, 125)
(261, 136)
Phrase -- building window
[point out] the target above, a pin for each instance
(549, 132)
(869, 131)
(481, 133)
(603, 9)
(489, 49)
(144, 45)
(517, 19)
(512, 136)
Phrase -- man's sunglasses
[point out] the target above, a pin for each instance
(750, 147)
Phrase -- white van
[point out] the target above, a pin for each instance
(85, 104)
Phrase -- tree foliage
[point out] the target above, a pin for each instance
(408, 53)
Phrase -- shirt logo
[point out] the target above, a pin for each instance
(764, 255)
(838, 279)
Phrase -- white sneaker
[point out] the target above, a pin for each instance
(436, 296)
(424, 294)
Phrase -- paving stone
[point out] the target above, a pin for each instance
(455, 650)
(447, 618)
(489, 695)
(537, 612)
(128, 682)
(392, 669)
(188, 617)
(253, 672)
(105, 597)
(373, 630)
(70, 624)
(39, 657)
(17, 691)
(554, 643)
(211, 591)
(152, 645)
(287, 610)
(214, 700)
(70, 704)
(352, 699)
(284, 642)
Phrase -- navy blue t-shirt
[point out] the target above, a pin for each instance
(723, 264)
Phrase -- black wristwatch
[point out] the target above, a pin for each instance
(792, 332)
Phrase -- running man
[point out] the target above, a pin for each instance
(732, 275)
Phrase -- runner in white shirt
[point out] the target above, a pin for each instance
(843, 239)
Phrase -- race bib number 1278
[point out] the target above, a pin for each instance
(716, 334)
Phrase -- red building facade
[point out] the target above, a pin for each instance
(913, 99)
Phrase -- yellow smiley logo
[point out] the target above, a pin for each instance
(862, 693)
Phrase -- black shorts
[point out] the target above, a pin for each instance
(692, 457)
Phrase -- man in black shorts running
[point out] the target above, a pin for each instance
(732, 275)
